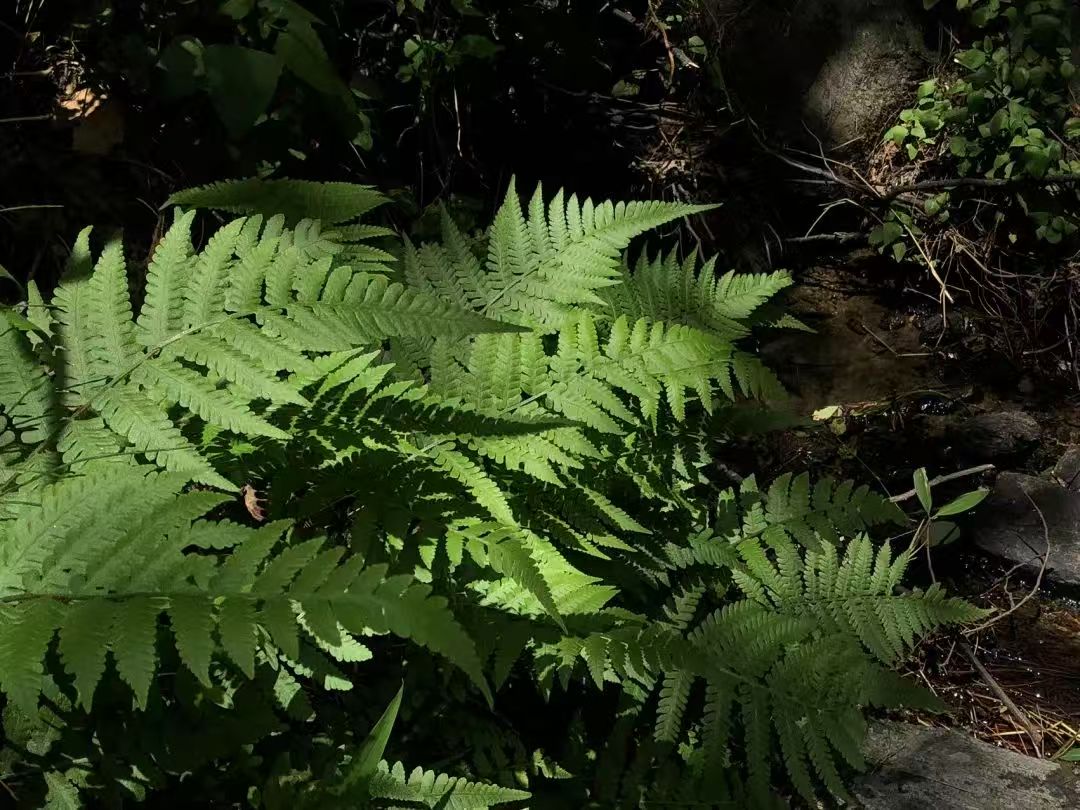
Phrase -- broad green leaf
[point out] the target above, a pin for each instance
(969, 500)
(971, 59)
(241, 81)
(922, 489)
(366, 762)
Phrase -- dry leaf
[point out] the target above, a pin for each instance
(253, 503)
(101, 130)
(78, 102)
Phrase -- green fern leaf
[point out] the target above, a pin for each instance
(133, 415)
(674, 694)
(167, 279)
(236, 626)
(192, 622)
(134, 631)
(25, 632)
(84, 641)
(295, 199)
(437, 790)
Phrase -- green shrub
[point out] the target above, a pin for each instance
(1002, 113)
(478, 468)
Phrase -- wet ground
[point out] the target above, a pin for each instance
(904, 384)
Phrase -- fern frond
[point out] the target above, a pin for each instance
(27, 397)
(846, 596)
(437, 790)
(168, 277)
(91, 553)
(216, 334)
(665, 289)
(541, 265)
(674, 693)
(295, 199)
(827, 512)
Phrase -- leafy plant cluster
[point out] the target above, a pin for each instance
(242, 79)
(1006, 113)
(301, 478)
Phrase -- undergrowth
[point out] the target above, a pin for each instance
(302, 478)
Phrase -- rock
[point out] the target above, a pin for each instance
(1067, 469)
(995, 436)
(844, 68)
(916, 767)
(868, 79)
(1008, 526)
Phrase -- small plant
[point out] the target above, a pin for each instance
(932, 529)
(241, 77)
(1001, 115)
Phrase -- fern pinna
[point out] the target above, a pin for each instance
(476, 466)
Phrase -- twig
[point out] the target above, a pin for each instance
(999, 693)
(11, 208)
(667, 43)
(1038, 579)
(840, 236)
(941, 479)
(19, 119)
(895, 353)
(977, 182)
(945, 294)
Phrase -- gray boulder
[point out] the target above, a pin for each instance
(995, 436)
(1067, 470)
(1008, 525)
(916, 767)
(843, 68)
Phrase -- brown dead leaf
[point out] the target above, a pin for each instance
(100, 131)
(78, 102)
(253, 503)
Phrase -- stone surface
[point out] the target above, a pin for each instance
(1067, 469)
(1008, 525)
(867, 79)
(915, 767)
(995, 436)
(843, 68)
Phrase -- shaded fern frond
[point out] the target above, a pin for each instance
(223, 336)
(826, 511)
(295, 199)
(851, 593)
(426, 788)
(100, 565)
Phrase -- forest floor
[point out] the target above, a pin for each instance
(906, 381)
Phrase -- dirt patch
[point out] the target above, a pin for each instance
(863, 350)
(1031, 654)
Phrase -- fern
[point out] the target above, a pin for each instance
(494, 455)
(540, 264)
(437, 790)
(295, 199)
(666, 289)
(99, 568)
(827, 511)
(215, 338)
(789, 669)
(851, 593)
